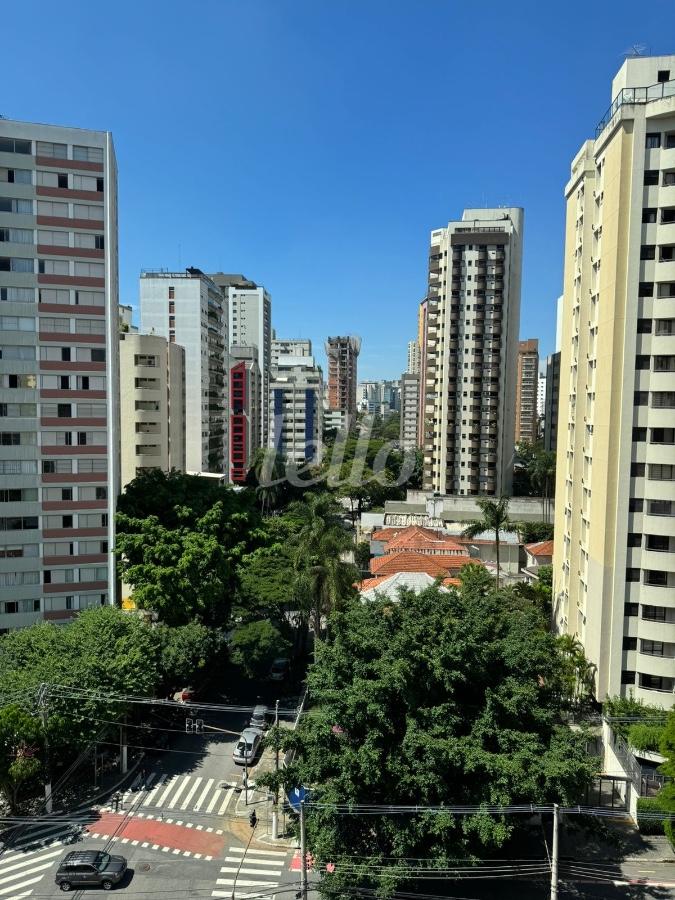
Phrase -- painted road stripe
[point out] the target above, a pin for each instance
(226, 801)
(203, 794)
(24, 884)
(173, 801)
(246, 883)
(16, 875)
(259, 862)
(148, 800)
(213, 802)
(14, 855)
(27, 862)
(191, 792)
(170, 784)
(243, 871)
(249, 852)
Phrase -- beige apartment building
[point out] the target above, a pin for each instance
(469, 353)
(152, 404)
(527, 385)
(614, 560)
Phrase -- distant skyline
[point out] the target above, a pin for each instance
(313, 146)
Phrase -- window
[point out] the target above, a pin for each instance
(632, 575)
(172, 292)
(648, 251)
(630, 609)
(658, 542)
(646, 289)
(52, 208)
(656, 577)
(627, 677)
(88, 154)
(654, 613)
(14, 145)
(661, 472)
(649, 215)
(88, 211)
(665, 327)
(53, 267)
(639, 434)
(651, 176)
(663, 399)
(663, 436)
(666, 253)
(14, 205)
(14, 264)
(89, 298)
(644, 326)
(637, 470)
(668, 181)
(664, 363)
(18, 523)
(661, 508)
(656, 682)
(634, 539)
(17, 295)
(670, 140)
(641, 362)
(47, 148)
(66, 521)
(663, 76)
(640, 398)
(635, 504)
(653, 140)
(629, 643)
(16, 235)
(84, 182)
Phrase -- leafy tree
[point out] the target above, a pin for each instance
(21, 743)
(541, 470)
(255, 645)
(531, 532)
(495, 518)
(578, 674)
(645, 737)
(667, 792)
(629, 708)
(444, 698)
(188, 653)
(362, 555)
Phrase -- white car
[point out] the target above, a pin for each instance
(247, 746)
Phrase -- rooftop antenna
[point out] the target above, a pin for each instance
(636, 50)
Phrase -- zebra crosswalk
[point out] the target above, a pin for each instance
(35, 852)
(252, 873)
(188, 793)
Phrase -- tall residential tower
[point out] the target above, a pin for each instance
(342, 353)
(527, 384)
(614, 560)
(59, 412)
(470, 353)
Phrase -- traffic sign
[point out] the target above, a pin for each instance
(296, 796)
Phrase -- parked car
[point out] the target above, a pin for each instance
(260, 718)
(90, 868)
(247, 746)
(280, 668)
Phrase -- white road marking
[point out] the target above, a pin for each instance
(191, 792)
(148, 800)
(243, 850)
(225, 802)
(204, 793)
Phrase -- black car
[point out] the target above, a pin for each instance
(90, 868)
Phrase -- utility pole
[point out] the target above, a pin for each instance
(124, 766)
(245, 781)
(275, 810)
(303, 853)
(42, 704)
(554, 853)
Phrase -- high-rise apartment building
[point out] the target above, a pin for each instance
(551, 401)
(614, 559)
(379, 398)
(410, 398)
(343, 353)
(413, 367)
(422, 340)
(245, 410)
(296, 409)
(289, 347)
(187, 308)
(250, 325)
(527, 415)
(152, 404)
(471, 349)
(59, 412)
(541, 395)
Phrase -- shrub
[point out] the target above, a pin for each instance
(649, 806)
(645, 737)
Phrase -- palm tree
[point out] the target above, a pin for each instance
(266, 471)
(495, 518)
(321, 575)
(541, 470)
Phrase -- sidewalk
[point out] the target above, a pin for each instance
(618, 843)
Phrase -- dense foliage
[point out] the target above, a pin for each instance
(444, 698)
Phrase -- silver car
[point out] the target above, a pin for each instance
(247, 746)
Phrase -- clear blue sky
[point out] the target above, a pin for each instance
(312, 145)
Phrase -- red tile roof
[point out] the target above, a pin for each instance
(425, 540)
(540, 548)
(406, 561)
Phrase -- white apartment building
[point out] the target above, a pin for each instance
(296, 409)
(410, 401)
(289, 347)
(614, 558)
(187, 308)
(152, 404)
(250, 325)
(59, 412)
(541, 394)
(472, 319)
(414, 355)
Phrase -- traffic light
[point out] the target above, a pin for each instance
(188, 726)
(199, 726)
(253, 819)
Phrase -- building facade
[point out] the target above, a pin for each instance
(527, 385)
(296, 409)
(250, 325)
(551, 401)
(410, 398)
(289, 347)
(381, 398)
(343, 353)
(152, 404)
(245, 410)
(187, 308)
(471, 349)
(59, 370)
(614, 557)
(413, 367)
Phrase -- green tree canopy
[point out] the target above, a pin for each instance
(255, 645)
(444, 698)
